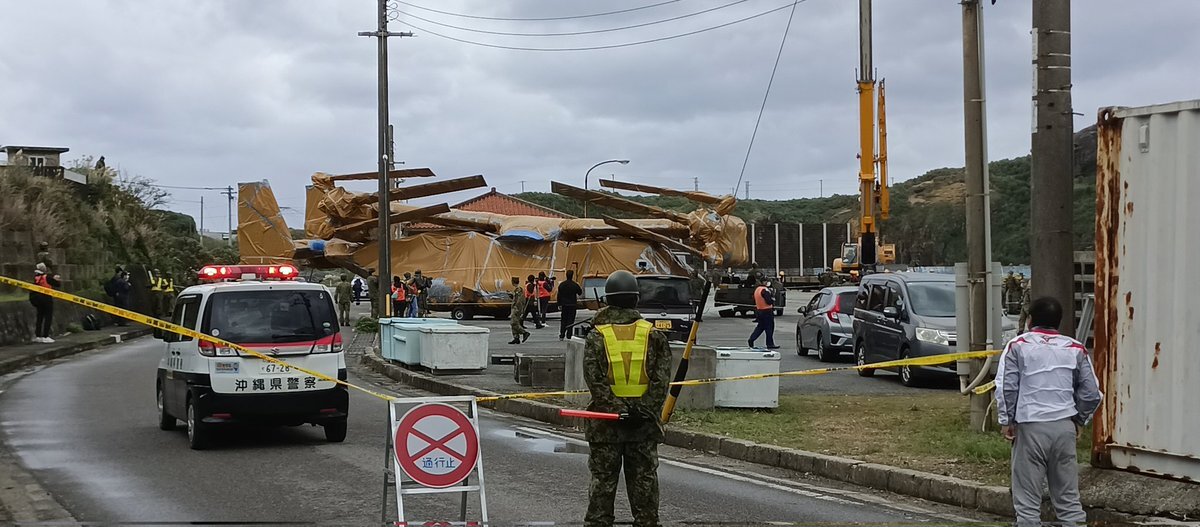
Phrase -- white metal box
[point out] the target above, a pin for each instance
(404, 338)
(757, 393)
(453, 347)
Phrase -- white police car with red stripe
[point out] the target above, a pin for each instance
(264, 308)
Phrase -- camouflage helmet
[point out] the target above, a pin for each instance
(621, 286)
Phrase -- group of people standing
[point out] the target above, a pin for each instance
(410, 295)
(1016, 291)
(533, 298)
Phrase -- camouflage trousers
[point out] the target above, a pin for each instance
(344, 313)
(517, 330)
(640, 461)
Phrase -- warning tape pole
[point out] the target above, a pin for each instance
(681, 373)
(179, 330)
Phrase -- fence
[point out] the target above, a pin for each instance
(796, 248)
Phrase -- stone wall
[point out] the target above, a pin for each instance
(84, 272)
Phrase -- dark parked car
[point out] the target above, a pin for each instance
(908, 315)
(825, 323)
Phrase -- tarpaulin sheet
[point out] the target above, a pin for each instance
(316, 222)
(470, 266)
(263, 237)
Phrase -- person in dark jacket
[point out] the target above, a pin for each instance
(568, 304)
(118, 289)
(43, 303)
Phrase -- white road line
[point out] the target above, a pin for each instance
(783, 485)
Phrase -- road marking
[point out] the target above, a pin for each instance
(781, 484)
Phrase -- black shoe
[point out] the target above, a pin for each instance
(772, 347)
(524, 337)
(539, 326)
(514, 341)
(749, 344)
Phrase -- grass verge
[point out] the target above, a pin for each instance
(926, 432)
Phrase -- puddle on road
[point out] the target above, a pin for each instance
(542, 444)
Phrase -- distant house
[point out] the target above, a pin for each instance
(41, 160)
(496, 203)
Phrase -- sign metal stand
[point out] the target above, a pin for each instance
(414, 412)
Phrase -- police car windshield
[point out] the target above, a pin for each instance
(663, 292)
(268, 317)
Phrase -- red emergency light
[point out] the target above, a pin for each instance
(216, 273)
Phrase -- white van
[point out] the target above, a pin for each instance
(262, 308)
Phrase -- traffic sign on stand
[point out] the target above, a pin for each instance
(436, 445)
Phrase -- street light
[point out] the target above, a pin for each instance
(585, 177)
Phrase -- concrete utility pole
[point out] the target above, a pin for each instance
(229, 194)
(202, 216)
(747, 189)
(384, 267)
(696, 184)
(1052, 178)
(979, 240)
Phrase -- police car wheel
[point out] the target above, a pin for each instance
(165, 421)
(198, 431)
(335, 431)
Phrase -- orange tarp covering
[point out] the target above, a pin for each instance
(263, 237)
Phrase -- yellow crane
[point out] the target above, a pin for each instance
(863, 255)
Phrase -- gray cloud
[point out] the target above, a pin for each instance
(212, 92)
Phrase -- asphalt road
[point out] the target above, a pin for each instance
(86, 428)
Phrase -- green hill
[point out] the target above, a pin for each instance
(928, 213)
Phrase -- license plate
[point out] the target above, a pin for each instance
(662, 324)
(272, 368)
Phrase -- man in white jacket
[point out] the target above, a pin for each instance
(1046, 392)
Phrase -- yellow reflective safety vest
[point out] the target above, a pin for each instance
(170, 285)
(626, 346)
(156, 283)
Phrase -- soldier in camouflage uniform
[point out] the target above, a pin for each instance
(627, 367)
(519, 304)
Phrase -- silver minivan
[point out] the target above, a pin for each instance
(908, 315)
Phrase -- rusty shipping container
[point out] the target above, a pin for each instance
(1147, 325)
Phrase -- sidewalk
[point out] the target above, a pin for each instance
(19, 356)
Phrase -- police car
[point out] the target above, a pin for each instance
(266, 309)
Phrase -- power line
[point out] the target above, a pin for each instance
(576, 33)
(185, 188)
(571, 17)
(765, 96)
(610, 46)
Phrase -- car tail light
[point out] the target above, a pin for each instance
(208, 349)
(334, 345)
(833, 312)
(337, 342)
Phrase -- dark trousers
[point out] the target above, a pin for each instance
(640, 461)
(766, 324)
(543, 308)
(533, 309)
(566, 317)
(399, 309)
(45, 316)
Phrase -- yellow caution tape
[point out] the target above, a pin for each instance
(985, 388)
(530, 395)
(918, 361)
(179, 330)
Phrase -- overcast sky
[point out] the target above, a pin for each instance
(213, 92)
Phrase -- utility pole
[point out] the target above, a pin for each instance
(522, 186)
(228, 192)
(821, 182)
(384, 266)
(202, 216)
(979, 243)
(696, 184)
(747, 189)
(1052, 177)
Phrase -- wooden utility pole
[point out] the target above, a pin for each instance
(1052, 178)
(979, 243)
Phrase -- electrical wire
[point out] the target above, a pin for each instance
(576, 33)
(765, 96)
(610, 46)
(572, 17)
(186, 188)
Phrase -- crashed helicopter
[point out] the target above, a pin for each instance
(472, 256)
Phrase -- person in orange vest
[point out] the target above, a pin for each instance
(544, 286)
(764, 315)
(531, 299)
(399, 297)
(43, 303)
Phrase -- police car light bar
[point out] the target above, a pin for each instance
(217, 273)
